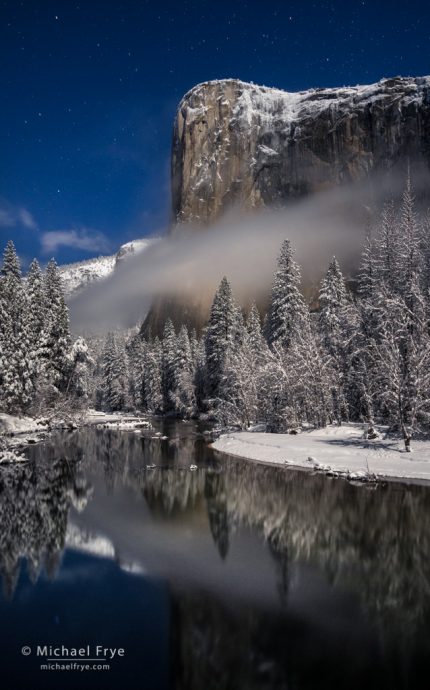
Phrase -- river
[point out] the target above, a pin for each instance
(229, 576)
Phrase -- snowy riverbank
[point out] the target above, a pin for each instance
(17, 432)
(340, 450)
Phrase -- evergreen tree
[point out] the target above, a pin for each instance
(114, 374)
(387, 249)
(333, 303)
(169, 345)
(183, 396)
(254, 330)
(136, 356)
(55, 340)
(153, 380)
(288, 313)
(220, 335)
(15, 349)
(333, 327)
(36, 315)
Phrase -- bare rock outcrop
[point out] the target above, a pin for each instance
(240, 144)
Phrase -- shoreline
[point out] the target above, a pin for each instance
(337, 452)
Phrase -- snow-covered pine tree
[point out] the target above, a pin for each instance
(401, 366)
(332, 305)
(288, 312)
(153, 380)
(254, 330)
(333, 333)
(82, 365)
(15, 349)
(367, 271)
(220, 335)
(182, 395)
(169, 344)
(199, 367)
(386, 266)
(36, 315)
(409, 246)
(136, 355)
(55, 339)
(238, 388)
(114, 374)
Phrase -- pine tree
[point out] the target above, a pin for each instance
(387, 249)
(237, 402)
(254, 330)
(333, 302)
(36, 315)
(220, 335)
(153, 381)
(169, 344)
(333, 333)
(114, 374)
(182, 395)
(136, 356)
(199, 367)
(288, 313)
(15, 349)
(55, 340)
(81, 365)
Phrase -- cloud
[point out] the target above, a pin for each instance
(27, 219)
(189, 263)
(79, 238)
(12, 216)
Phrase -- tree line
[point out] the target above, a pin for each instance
(361, 354)
(40, 365)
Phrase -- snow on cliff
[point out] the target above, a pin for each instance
(78, 276)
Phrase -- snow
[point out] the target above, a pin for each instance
(116, 421)
(125, 425)
(268, 109)
(291, 105)
(95, 544)
(11, 457)
(11, 425)
(334, 450)
(268, 151)
(78, 276)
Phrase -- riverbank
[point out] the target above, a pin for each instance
(18, 432)
(340, 451)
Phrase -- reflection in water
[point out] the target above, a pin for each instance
(349, 566)
(34, 507)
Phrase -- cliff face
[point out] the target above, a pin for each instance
(239, 144)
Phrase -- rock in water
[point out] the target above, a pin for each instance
(247, 145)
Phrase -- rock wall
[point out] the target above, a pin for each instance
(240, 144)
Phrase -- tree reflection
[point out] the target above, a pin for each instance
(34, 505)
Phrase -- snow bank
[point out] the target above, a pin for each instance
(11, 425)
(117, 422)
(334, 450)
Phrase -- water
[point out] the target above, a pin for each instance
(234, 576)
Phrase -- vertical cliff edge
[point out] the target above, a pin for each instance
(240, 144)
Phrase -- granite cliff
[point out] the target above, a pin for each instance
(240, 144)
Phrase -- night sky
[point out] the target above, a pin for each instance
(90, 90)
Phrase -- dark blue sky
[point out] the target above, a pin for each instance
(90, 90)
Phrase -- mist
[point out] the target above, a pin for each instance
(189, 262)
